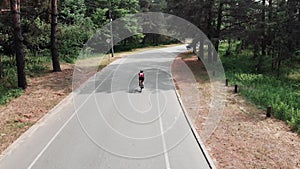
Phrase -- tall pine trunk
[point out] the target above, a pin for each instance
(209, 52)
(1, 67)
(209, 18)
(270, 34)
(18, 43)
(263, 37)
(54, 49)
(218, 31)
(201, 49)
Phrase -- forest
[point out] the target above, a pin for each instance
(258, 41)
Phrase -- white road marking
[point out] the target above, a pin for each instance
(64, 125)
(167, 162)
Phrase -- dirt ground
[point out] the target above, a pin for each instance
(42, 94)
(244, 138)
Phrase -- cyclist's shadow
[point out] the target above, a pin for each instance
(135, 90)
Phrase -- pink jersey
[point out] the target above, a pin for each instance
(141, 74)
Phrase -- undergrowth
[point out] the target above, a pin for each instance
(35, 66)
(282, 93)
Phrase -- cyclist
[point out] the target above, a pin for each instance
(141, 78)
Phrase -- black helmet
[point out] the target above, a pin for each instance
(141, 71)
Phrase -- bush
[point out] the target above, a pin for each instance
(72, 38)
(7, 95)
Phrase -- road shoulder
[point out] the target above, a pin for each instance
(244, 138)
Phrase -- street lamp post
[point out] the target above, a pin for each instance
(111, 38)
(111, 30)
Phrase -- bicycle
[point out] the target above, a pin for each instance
(141, 84)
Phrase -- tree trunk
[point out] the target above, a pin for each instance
(270, 35)
(228, 50)
(54, 49)
(209, 52)
(194, 45)
(255, 50)
(273, 59)
(18, 43)
(263, 37)
(201, 49)
(279, 60)
(210, 4)
(218, 32)
(145, 39)
(215, 52)
(1, 67)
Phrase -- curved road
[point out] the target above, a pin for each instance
(109, 124)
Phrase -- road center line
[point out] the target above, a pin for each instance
(167, 162)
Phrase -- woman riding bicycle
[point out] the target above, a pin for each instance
(141, 79)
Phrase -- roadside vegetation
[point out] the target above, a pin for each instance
(282, 92)
(78, 20)
(259, 45)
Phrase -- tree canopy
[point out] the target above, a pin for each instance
(269, 28)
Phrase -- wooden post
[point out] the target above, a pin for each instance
(269, 111)
(235, 88)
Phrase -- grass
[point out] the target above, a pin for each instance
(6, 95)
(35, 66)
(22, 125)
(283, 93)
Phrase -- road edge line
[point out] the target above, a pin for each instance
(194, 131)
(52, 112)
(36, 126)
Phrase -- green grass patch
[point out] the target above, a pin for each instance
(6, 95)
(21, 124)
(35, 66)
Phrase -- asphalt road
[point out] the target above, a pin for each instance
(109, 124)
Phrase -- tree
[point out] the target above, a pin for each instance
(18, 43)
(145, 5)
(1, 67)
(54, 49)
(217, 31)
(263, 36)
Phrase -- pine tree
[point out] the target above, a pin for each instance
(18, 43)
(54, 49)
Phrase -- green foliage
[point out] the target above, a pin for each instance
(72, 38)
(8, 95)
(134, 42)
(36, 70)
(72, 11)
(99, 17)
(264, 89)
(75, 29)
(8, 84)
(36, 36)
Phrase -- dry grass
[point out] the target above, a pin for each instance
(244, 138)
